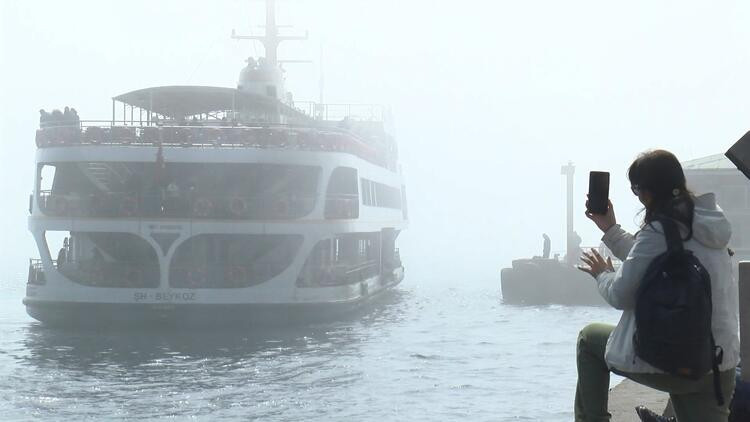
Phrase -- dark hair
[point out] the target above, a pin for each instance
(660, 174)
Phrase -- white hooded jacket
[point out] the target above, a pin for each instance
(711, 233)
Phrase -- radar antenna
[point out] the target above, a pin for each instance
(271, 39)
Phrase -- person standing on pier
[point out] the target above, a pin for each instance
(658, 181)
(547, 246)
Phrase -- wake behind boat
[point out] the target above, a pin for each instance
(203, 205)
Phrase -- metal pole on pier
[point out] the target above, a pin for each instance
(569, 171)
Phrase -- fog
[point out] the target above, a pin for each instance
(490, 98)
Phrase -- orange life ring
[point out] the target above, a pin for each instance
(236, 275)
(238, 206)
(129, 206)
(203, 207)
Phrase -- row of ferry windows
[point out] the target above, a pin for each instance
(203, 190)
(111, 259)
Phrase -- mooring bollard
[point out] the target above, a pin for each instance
(744, 293)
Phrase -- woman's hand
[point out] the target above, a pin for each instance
(596, 263)
(603, 221)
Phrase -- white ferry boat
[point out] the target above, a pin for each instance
(210, 205)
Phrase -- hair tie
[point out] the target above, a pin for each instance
(675, 192)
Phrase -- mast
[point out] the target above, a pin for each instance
(271, 39)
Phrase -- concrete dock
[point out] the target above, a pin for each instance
(625, 396)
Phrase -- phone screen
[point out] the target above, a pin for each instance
(598, 192)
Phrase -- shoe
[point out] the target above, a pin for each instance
(647, 415)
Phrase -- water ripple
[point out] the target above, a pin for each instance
(425, 353)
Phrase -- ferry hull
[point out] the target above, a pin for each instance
(181, 315)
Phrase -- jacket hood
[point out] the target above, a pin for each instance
(710, 227)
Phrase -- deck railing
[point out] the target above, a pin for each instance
(36, 272)
(339, 112)
(378, 150)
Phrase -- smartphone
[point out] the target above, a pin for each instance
(598, 192)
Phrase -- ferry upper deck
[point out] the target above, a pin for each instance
(217, 117)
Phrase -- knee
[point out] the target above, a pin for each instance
(593, 333)
(587, 332)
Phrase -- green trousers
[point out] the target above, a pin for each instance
(692, 400)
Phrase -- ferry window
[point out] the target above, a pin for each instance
(104, 259)
(181, 190)
(342, 196)
(231, 260)
(380, 195)
(346, 259)
(46, 177)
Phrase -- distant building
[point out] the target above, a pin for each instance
(717, 174)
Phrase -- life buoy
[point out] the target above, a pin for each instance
(202, 207)
(248, 137)
(94, 134)
(279, 138)
(57, 204)
(129, 207)
(236, 276)
(304, 140)
(238, 206)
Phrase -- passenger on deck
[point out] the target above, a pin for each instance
(62, 256)
(44, 118)
(57, 118)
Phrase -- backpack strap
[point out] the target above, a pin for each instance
(672, 234)
(717, 355)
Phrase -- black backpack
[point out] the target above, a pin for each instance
(673, 314)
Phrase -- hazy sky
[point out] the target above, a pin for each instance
(489, 97)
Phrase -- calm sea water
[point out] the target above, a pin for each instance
(430, 351)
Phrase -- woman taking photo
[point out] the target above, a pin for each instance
(656, 177)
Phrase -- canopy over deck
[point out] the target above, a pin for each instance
(179, 101)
